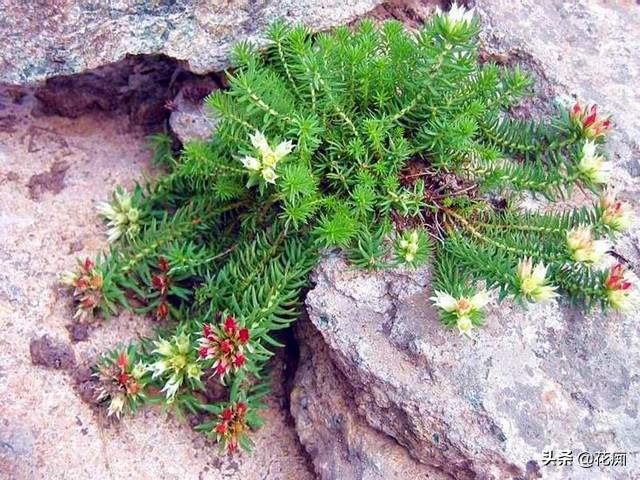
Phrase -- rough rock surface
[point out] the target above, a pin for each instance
(342, 444)
(546, 378)
(549, 378)
(46, 430)
(46, 39)
(190, 119)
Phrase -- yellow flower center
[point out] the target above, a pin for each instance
(269, 159)
(528, 285)
(178, 362)
(463, 306)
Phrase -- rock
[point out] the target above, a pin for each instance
(189, 118)
(138, 86)
(51, 353)
(62, 38)
(342, 444)
(543, 379)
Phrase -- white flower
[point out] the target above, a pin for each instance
(158, 368)
(615, 214)
(592, 166)
(462, 306)
(122, 215)
(106, 210)
(622, 289)
(171, 387)
(464, 325)
(459, 15)
(116, 405)
(444, 301)
(409, 246)
(269, 175)
(139, 370)
(164, 348)
(269, 157)
(584, 248)
(533, 281)
(69, 279)
(251, 163)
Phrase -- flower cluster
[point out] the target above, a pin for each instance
(533, 282)
(231, 425)
(226, 345)
(87, 285)
(122, 382)
(123, 217)
(593, 167)
(178, 362)
(584, 248)
(586, 117)
(622, 289)
(465, 311)
(412, 247)
(269, 157)
(615, 214)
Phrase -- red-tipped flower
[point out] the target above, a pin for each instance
(241, 408)
(88, 265)
(622, 289)
(232, 423)
(122, 360)
(161, 283)
(225, 343)
(162, 311)
(227, 414)
(163, 264)
(221, 428)
(230, 325)
(586, 117)
(243, 335)
(239, 360)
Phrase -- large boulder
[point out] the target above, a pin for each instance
(543, 379)
(46, 39)
(341, 443)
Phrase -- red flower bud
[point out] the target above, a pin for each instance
(88, 265)
(241, 408)
(230, 325)
(221, 428)
(162, 311)
(243, 335)
(160, 282)
(206, 330)
(123, 378)
(163, 265)
(221, 369)
(226, 346)
(232, 446)
(576, 110)
(87, 303)
(227, 414)
(122, 360)
(203, 352)
(239, 360)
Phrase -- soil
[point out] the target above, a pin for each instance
(50, 181)
(51, 354)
